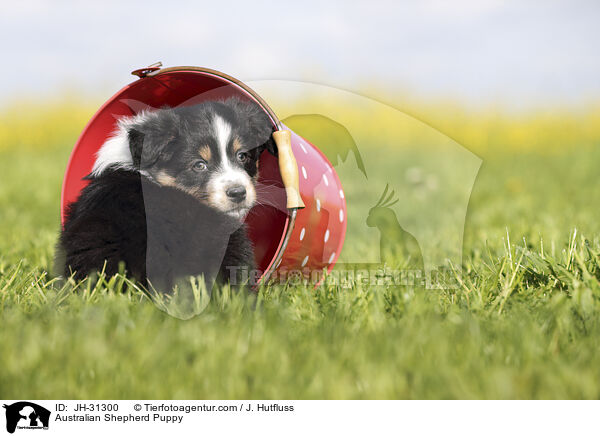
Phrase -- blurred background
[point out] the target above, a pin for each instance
(516, 54)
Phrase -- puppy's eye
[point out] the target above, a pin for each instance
(242, 156)
(199, 165)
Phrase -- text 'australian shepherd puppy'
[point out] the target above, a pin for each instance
(168, 195)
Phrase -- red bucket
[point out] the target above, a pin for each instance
(303, 241)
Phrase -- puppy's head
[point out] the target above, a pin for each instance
(210, 151)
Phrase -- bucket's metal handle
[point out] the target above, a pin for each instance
(288, 169)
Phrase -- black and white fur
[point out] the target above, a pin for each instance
(168, 195)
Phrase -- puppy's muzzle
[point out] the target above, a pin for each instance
(236, 193)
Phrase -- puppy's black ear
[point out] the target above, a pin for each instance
(136, 146)
(270, 146)
(150, 141)
(257, 123)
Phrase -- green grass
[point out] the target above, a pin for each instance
(523, 324)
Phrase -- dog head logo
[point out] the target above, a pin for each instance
(26, 415)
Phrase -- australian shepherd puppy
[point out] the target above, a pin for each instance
(168, 195)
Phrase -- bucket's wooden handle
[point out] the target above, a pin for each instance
(288, 168)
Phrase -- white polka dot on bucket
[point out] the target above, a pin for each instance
(331, 257)
(325, 180)
(303, 148)
(326, 238)
(305, 261)
(341, 215)
(341, 194)
(318, 205)
(304, 173)
(302, 232)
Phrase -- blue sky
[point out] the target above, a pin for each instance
(518, 53)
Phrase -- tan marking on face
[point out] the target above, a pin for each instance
(205, 152)
(197, 193)
(165, 179)
(255, 177)
(237, 145)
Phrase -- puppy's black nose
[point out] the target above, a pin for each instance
(236, 193)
